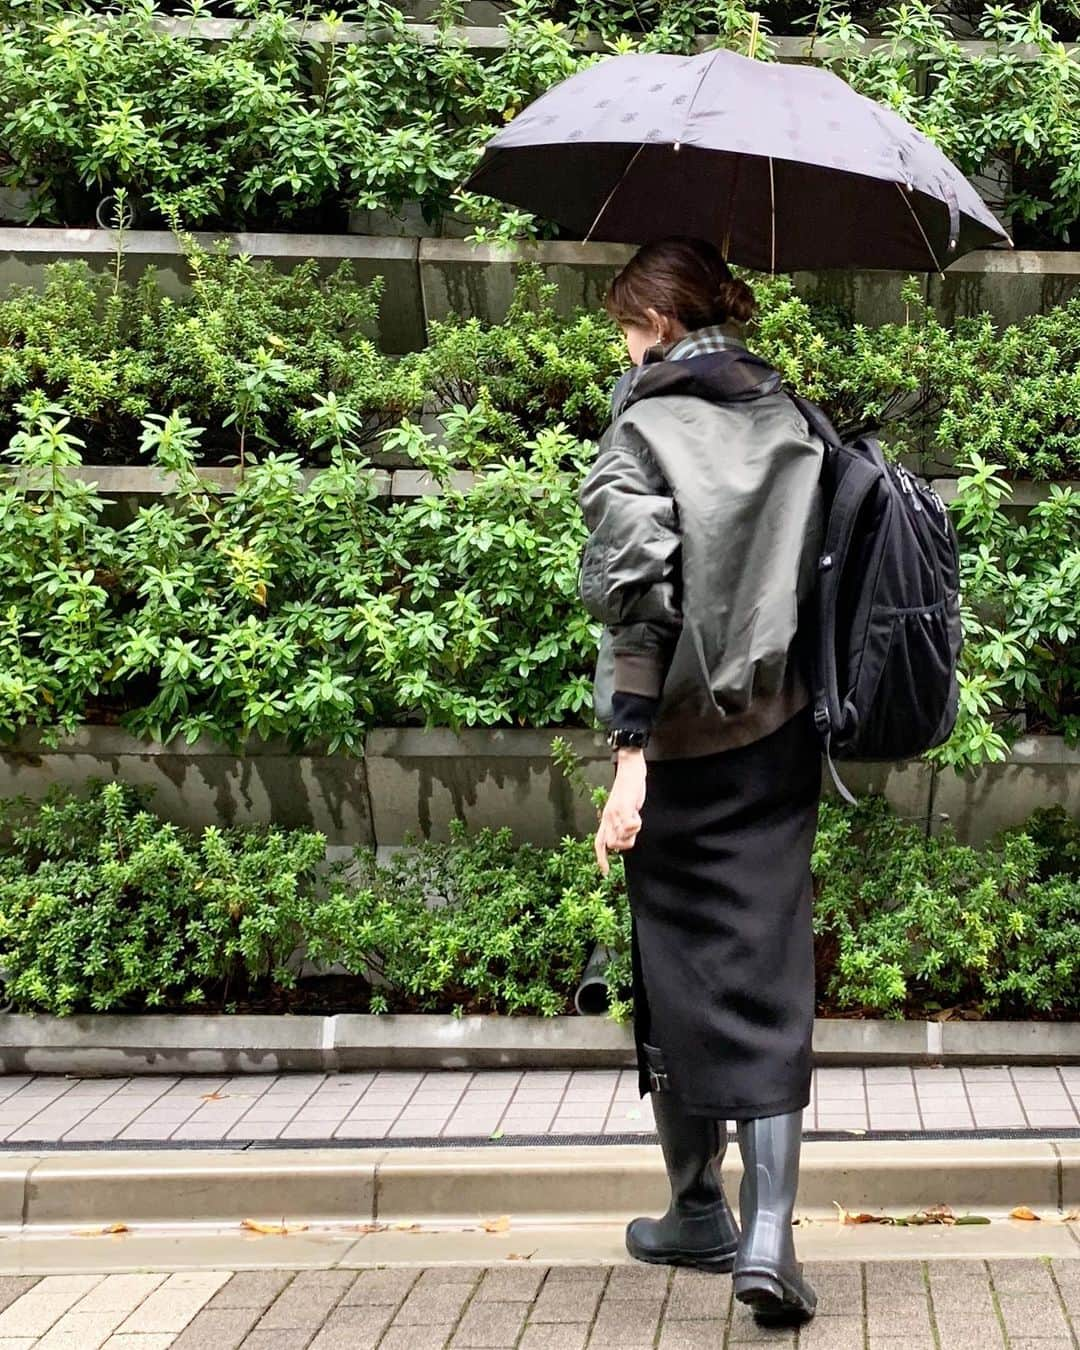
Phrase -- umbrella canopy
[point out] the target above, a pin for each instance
(784, 167)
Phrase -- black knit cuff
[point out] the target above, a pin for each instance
(633, 712)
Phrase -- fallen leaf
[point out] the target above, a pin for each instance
(406, 1227)
(214, 1096)
(370, 1228)
(849, 1216)
(1072, 1217)
(932, 1214)
(495, 1134)
(972, 1218)
(1022, 1212)
(281, 1229)
(499, 1225)
(521, 1256)
(939, 1214)
(102, 1232)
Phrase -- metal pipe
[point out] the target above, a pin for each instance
(593, 994)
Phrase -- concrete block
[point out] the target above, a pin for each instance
(408, 483)
(420, 780)
(204, 783)
(478, 279)
(909, 1174)
(1008, 285)
(128, 1043)
(850, 1041)
(1069, 1153)
(1020, 1042)
(907, 784)
(212, 1186)
(1040, 771)
(15, 1169)
(420, 1040)
(1023, 497)
(593, 1183)
(142, 480)
(869, 297)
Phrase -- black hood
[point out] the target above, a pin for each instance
(733, 375)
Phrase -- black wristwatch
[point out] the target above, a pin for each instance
(620, 738)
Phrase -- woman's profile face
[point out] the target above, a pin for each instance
(638, 340)
(654, 327)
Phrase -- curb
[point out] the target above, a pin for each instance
(234, 1044)
(542, 1185)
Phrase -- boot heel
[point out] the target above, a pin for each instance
(774, 1301)
(759, 1291)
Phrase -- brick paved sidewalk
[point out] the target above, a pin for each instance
(876, 1305)
(392, 1104)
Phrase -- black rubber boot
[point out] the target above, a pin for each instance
(766, 1274)
(699, 1228)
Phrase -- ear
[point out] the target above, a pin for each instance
(658, 321)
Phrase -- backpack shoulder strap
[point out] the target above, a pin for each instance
(818, 422)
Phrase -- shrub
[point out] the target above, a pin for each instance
(907, 924)
(310, 612)
(268, 126)
(246, 352)
(482, 924)
(103, 906)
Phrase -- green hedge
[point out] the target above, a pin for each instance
(318, 612)
(253, 355)
(266, 127)
(103, 907)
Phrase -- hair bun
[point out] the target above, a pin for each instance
(735, 300)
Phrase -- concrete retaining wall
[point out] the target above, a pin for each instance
(205, 784)
(431, 278)
(25, 252)
(483, 31)
(412, 781)
(117, 1043)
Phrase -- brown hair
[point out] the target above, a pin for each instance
(684, 278)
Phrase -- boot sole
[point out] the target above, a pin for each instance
(772, 1299)
(717, 1262)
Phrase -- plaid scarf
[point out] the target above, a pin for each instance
(715, 337)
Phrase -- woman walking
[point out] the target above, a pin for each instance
(704, 514)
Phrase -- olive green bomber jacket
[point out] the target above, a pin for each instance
(705, 520)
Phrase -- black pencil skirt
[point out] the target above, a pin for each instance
(721, 904)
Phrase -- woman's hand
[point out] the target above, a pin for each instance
(621, 820)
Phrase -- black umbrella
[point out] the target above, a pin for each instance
(784, 167)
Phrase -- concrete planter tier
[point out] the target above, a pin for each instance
(26, 251)
(485, 33)
(122, 481)
(459, 277)
(432, 278)
(205, 783)
(161, 1043)
(415, 782)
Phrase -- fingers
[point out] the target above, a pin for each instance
(600, 849)
(615, 835)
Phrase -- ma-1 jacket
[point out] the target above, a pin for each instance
(705, 521)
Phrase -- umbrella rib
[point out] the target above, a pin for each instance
(772, 207)
(607, 199)
(926, 241)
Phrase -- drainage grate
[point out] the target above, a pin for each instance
(483, 1141)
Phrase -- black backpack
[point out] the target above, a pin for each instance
(885, 631)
